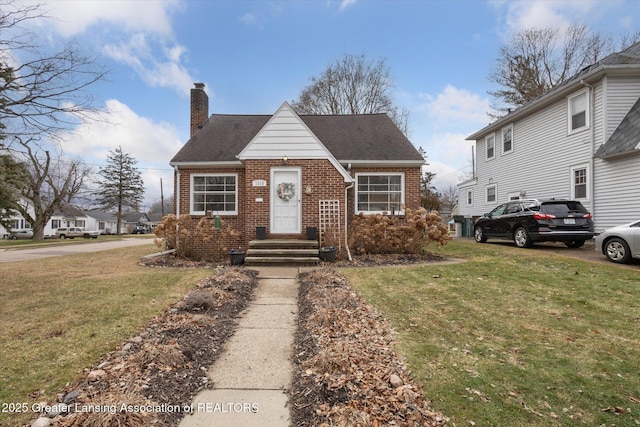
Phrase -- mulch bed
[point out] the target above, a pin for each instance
(163, 368)
(346, 370)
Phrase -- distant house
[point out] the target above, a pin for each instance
(136, 219)
(284, 172)
(581, 141)
(104, 222)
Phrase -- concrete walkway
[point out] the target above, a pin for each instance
(253, 374)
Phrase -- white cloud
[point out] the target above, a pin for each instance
(346, 3)
(74, 17)
(457, 106)
(151, 144)
(155, 69)
(118, 125)
(526, 14)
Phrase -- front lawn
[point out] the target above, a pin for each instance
(516, 337)
(63, 314)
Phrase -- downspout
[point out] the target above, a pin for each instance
(346, 222)
(592, 100)
(177, 201)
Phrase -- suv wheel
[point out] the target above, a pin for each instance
(479, 235)
(617, 251)
(575, 244)
(62, 236)
(521, 237)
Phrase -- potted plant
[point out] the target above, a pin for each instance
(327, 253)
(236, 257)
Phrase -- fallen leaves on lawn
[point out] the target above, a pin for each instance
(347, 372)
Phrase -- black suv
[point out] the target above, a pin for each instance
(529, 221)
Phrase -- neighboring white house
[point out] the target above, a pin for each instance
(579, 141)
(104, 222)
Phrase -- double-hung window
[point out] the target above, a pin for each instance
(507, 140)
(490, 142)
(379, 192)
(215, 193)
(491, 193)
(578, 111)
(579, 182)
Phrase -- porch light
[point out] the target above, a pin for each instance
(285, 159)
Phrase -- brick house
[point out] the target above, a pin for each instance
(285, 173)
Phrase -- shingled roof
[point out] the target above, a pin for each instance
(363, 137)
(626, 138)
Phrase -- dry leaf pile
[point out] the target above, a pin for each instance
(156, 374)
(347, 373)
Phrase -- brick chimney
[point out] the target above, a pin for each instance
(199, 107)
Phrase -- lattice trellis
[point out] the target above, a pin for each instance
(330, 223)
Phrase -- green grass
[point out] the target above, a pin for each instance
(517, 337)
(60, 315)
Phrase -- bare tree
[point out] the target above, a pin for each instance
(449, 196)
(49, 183)
(536, 60)
(41, 92)
(353, 85)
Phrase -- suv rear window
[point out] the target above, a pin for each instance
(563, 208)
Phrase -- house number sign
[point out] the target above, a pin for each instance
(259, 183)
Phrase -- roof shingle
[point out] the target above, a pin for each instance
(372, 137)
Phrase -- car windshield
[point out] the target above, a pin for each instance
(563, 208)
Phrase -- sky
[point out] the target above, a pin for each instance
(254, 55)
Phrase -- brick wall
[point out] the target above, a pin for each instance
(318, 176)
(199, 248)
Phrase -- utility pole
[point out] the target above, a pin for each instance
(161, 198)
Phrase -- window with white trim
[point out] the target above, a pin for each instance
(490, 142)
(578, 111)
(81, 223)
(56, 223)
(469, 197)
(507, 140)
(579, 182)
(379, 192)
(491, 193)
(215, 193)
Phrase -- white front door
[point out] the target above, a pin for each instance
(285, 201)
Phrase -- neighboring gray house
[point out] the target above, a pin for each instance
(134, 219)
(579, 141)
(104, 222)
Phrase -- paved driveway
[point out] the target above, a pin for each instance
(587, 252)
(16, 254)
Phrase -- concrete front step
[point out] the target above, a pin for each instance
(282, 251)
(283, 243)
(273, 260)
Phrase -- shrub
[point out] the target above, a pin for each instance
(384, 234)
(180, 233)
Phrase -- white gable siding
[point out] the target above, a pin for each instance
(285, 135)
(622, 93)
(617, 184)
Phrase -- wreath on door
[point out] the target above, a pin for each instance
(286, 190)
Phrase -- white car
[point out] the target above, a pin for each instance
(620, 244)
